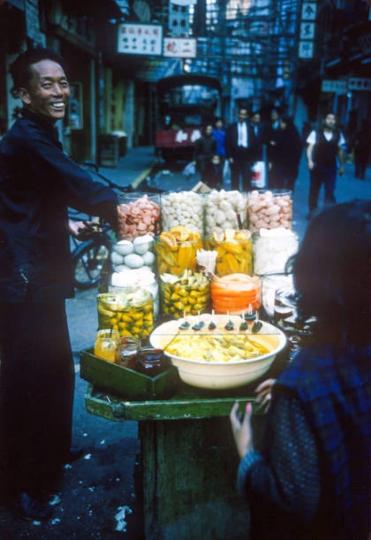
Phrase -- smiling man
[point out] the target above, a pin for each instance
(38, 183)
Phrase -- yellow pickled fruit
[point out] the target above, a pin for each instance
(186, 256)
(231, 262)
(233, 247)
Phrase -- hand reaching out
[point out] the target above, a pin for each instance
(264, 393)
(241, 429)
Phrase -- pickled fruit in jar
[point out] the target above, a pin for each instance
(188, 294)
(130, 313)
(106, 343)
(176, 250)
(234, 252)
(236, 293)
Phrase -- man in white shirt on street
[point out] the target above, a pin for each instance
(325, 146)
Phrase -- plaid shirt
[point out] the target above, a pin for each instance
(334, 387)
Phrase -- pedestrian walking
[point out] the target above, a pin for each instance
(220, 135)
(38, 184)
(240, 141)
(325, 146)
(311, 477)
(284, 155)
(362, 144)
(204, 154)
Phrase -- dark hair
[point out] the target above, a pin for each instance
(332, 272)
(20, 69)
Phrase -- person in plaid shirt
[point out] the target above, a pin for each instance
(312, 476)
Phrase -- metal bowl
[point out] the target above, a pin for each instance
(220, 375)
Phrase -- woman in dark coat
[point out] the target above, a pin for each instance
(284, 152)
(205, 151)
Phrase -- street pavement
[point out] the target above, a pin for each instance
(97, 496)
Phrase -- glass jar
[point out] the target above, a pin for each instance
(269, 209)
(105, 346)
(272, 250)
(189, 295)
(183, 208)
(127, 349)
(151, 362)
(138, 215)
(234, 252)
(129, 313)
(176, 250)
(224, 210)
(236, 294)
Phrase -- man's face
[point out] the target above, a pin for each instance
(209, 130)
(242, 115)
(255, 119)
(274, 115)
(330, 121)
(48, 90)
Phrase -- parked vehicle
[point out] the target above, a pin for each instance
(185, 103)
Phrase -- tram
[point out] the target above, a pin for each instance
(185, 103)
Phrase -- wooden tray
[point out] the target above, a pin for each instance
(126, 382)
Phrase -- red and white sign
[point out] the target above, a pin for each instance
(180, 47)
(140, 39)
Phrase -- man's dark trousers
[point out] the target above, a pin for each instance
(36, 392)
(326, 176)
(241, 168)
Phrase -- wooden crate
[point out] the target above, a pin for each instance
(126, 382)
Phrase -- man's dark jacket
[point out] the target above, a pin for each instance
(38, 183)
(253, 143)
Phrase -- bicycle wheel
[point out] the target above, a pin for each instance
(89, 259)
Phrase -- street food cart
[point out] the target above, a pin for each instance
(188, 460)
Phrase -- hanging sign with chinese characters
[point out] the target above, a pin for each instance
(143, 39)
(306, 49)
(180, 48)
(307, 30)
(308, 11)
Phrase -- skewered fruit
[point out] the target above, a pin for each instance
(176, 250)
(234, 252)
(187, 294)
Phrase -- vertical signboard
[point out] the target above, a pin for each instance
(307, 30)
(32, 22)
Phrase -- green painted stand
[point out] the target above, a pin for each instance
(188, 462)
(188, 459)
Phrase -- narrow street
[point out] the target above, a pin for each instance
(99, 495)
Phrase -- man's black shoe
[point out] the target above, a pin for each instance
(32, 508)
(75, 453)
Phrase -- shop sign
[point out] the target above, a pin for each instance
(145, 39)
(306, 49)
(32, 22)
(307, 30)
(180, 47)
(178, 20)
(309, 11)
(334, 86)
(360, 84)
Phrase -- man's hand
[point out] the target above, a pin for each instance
(241, 429)
(82, 229)
(76, 227)
(310, 164)
(230, 160)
